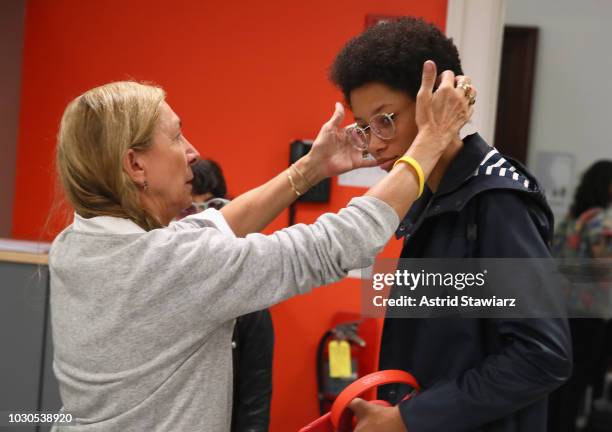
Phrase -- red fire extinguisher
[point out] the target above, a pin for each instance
(345, 353)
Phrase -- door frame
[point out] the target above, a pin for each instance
(477, 28)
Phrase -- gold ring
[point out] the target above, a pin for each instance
(471, 100)
(465, 87)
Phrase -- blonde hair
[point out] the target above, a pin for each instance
(96, 131)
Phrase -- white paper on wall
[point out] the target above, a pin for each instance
(362, 177)
(555, 172)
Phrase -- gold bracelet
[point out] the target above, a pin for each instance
(297, 192)
(308, 185)
(416, 166)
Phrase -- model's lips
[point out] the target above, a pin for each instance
(387, 163)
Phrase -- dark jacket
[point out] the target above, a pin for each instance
(478, 374)
(253, 347)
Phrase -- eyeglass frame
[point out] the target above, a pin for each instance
(389, 116)
(209, 204)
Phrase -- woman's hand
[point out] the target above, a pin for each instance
(441, 114)
(374, 418)
(332, 152)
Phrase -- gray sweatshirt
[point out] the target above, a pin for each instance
(142, 321)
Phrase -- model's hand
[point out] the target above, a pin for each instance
(441, 114)
(375, 418)
(332, 151)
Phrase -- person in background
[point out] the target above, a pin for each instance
(209, 188)
(586, 232)
(209, 183)
(476, 374)
(583, 233)
(253, 338)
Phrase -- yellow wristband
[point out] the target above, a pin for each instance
(417, 168)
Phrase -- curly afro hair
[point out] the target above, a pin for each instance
(393, 53)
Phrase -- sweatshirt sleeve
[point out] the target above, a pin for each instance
(535, 359)
(207, 271)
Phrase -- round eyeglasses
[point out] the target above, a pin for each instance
(381, 125)
(216, 203)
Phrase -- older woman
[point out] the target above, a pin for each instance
(143, 309)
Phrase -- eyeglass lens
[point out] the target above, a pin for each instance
(216, 203)
(381, 125)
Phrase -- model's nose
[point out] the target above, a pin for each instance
(377, 146)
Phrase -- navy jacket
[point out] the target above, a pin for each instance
(478, 374)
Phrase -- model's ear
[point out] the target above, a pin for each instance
(133, 165)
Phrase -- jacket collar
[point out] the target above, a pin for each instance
(462, 167)
(460, 182)
(469, 157)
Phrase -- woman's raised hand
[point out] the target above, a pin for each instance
(442, 113)
(333, 152)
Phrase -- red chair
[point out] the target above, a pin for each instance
(340, 418)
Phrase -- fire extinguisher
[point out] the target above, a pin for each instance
(338, 365)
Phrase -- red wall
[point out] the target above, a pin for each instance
(246, 78)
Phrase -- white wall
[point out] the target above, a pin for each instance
(476, 27)
(572, 100)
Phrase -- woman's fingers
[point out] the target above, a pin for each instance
(425, 94)
(462, 78)
(337, 117)
(331, 132)
(428, 81)
(429, 76)
(447, 79)
(450, 106)
(332, 151)
(365, 163)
